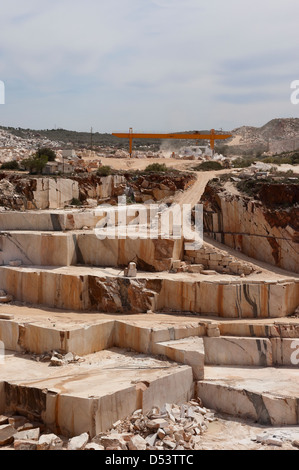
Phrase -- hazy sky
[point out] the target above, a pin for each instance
(154, 65)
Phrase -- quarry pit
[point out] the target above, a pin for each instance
(85, 345)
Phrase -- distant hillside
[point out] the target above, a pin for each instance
(66, 137)
(278, 135)
(86, 139)
(275, 129)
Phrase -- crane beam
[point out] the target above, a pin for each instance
(196, 135)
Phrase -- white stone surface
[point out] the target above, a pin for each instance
(231, 350)
(187, 351)
(78, 442)
(267, 395)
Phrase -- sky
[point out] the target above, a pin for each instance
(154, 65)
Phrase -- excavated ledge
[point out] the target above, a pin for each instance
(91, 396)
(268, 396)
(75, 397)
(83, 289)
(263, 225)
(130, 357)
(77, 248)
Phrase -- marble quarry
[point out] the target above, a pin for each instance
(94, 329)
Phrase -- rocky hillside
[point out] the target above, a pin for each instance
(276, 129)
(13, 146)
(277, 136)
(257, 217)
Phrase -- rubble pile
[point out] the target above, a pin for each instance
(173, 427)
(57, 359)
(211, 258)
(170, 429)
(20, 433)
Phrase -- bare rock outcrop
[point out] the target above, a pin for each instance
(261, 222)
(123, 294)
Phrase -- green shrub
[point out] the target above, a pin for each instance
(208, 166)
(75, 202)
(104, 170)
(242, 162)
(295, 159)
(278, 159)
(12, 165)
(35, 164)
(45, 151)
(156, 168)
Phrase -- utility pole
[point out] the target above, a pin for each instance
(91, 142)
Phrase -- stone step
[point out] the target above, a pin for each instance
(186, 351)
(47, 220)
(244, 351)
(39, 339)
(230, 350)
(90, 337)
(72, 248)
(61, 220)
(92, 395)
(230, 297)
(288, 328)
(266, 395)
(83, 288)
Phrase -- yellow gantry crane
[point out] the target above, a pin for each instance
(196, 136)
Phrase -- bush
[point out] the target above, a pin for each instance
(242, 162)
(278, 159)
(12, 165)
(35, 164)
(75, 202)
(45, 151)
(249, 186)
(156, 168)
(208, 166)
(295, 159)
(104, 170)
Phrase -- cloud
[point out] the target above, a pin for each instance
(155, 64)
(176, 3)
(246, 98)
